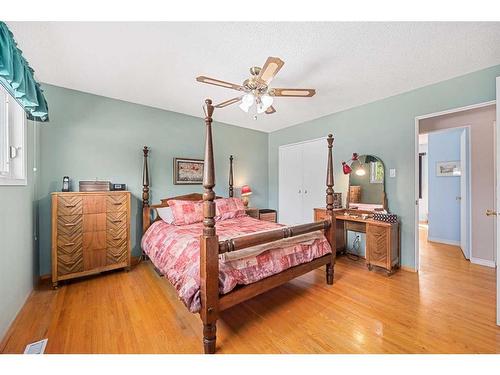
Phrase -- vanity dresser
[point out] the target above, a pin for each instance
(365, 196)
(382, 239)
(90, 233)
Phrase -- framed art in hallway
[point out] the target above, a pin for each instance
(448, 168)
(188, 171)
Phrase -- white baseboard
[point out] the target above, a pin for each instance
(446, 242)
(483, 262)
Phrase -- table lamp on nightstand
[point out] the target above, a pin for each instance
(245, 193)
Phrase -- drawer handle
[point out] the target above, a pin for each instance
(116, 221)
(117, 238)
(70, 224)
(69, 244)
(70, 205)
(117, 203)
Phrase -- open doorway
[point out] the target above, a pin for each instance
(456, 183)
(444, 186)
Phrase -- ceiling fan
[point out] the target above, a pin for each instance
(256, 89)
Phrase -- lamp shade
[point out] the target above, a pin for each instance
(245, 190)
(346, 168)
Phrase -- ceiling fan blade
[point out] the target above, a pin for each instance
(228, 102)
(270, 110)
(271, 67)
(305, 93)
(217, 82)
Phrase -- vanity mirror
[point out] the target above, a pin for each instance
(367, 184)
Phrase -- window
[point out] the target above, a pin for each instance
(12, 141)
(376, 172)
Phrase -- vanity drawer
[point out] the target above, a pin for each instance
(69, 205)
(355, 226)
(377, 245)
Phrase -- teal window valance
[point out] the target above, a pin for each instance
(17, 77)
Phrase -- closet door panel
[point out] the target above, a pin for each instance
(290, 184)
(314, 158)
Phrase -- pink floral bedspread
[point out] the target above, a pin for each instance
(175, 251)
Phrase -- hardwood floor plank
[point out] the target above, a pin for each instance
(448, 307)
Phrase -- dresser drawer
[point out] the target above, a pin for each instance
(69, 254)
(94, 204)
(69, 225)
(69, 205)
(94, 222)
(116, 202)
(117, 254)
(116, 239)
(116, 219)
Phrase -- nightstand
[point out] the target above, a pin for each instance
(265, 214)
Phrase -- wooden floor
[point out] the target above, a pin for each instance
(449, 307)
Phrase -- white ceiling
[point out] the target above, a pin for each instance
(349, 64)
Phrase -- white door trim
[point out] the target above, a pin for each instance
(416, 132)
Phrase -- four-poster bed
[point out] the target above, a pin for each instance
(210, 284)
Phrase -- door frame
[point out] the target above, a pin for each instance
(416, 176)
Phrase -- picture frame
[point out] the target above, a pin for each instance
(188, 171)
(448, 168)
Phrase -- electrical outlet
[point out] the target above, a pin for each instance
(392, 172)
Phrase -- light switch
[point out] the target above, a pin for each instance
(392, 172)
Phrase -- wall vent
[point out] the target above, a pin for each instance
(36, 347)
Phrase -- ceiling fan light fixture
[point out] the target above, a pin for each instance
(267, 101)
(244, 107)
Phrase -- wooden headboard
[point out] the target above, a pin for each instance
(149, 213)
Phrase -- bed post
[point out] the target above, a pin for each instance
(231, 190)
(146, 218)
(330, 232)
(209, 244)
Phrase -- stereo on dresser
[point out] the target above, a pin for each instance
(118, 187)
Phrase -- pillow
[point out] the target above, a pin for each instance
(229, 208)
(186, 212)
(165, 213)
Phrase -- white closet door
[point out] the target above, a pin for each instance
(314, 161)
(290, 184)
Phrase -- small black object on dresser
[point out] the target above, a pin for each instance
(118, 187)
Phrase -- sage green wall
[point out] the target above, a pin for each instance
(386, 128)
(18, 250)
(92, 136)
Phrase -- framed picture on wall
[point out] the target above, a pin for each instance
(448, 168)
(188, 171)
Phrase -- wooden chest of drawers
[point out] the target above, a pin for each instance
(90, 233)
